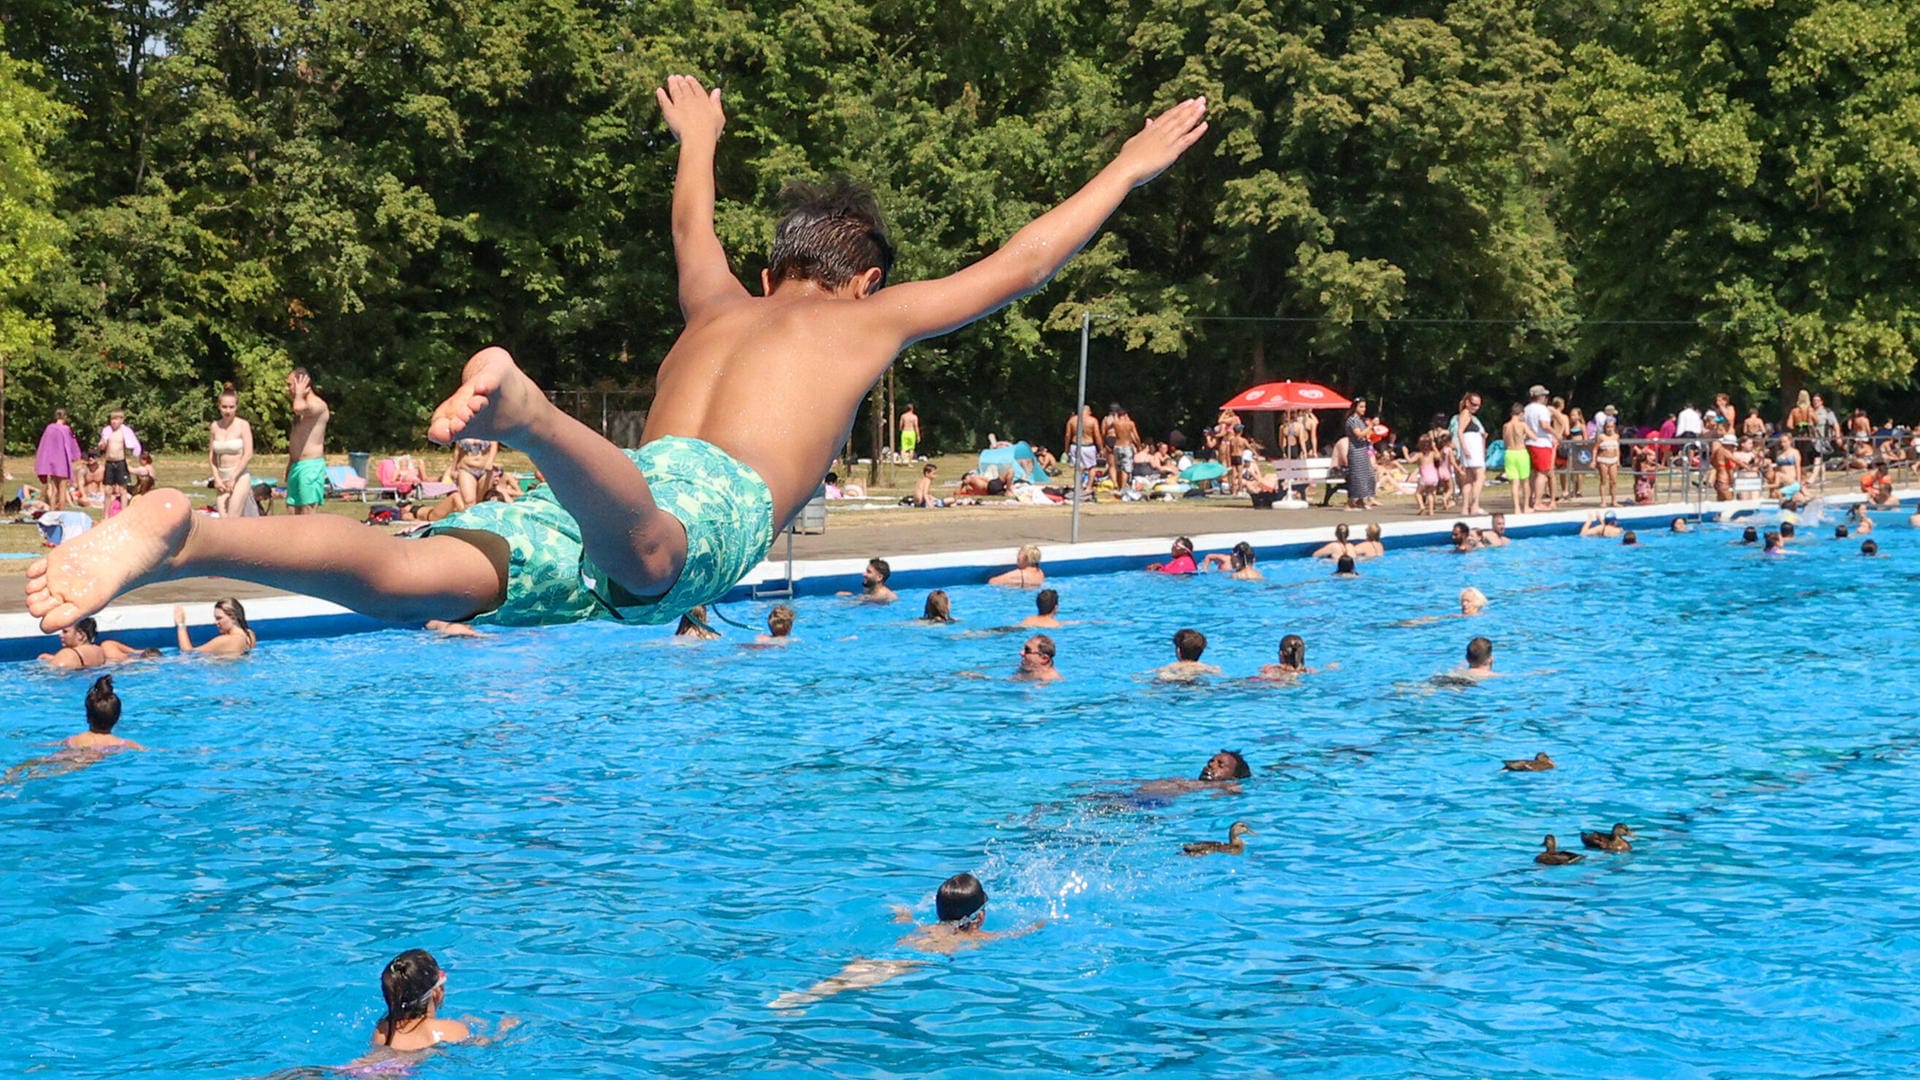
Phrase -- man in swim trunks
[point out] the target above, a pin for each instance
(1517, 466)
(1082, 440)
(119, 445)
(909, 433)
(1540, 446)
(306, 445)
(648, 534)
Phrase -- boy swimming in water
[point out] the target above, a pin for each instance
(960, 906)
(638, 535)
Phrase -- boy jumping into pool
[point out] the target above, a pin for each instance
(752, 401)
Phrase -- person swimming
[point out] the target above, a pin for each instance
(1344, 568)
(1750, 535)
(939, 608)
(779, 626)
(415, 987)
(1188, 646)
(90, 746)
(960, 908)
(1293, 660)
(693, 625)
(1472, 601)
(1046, 602)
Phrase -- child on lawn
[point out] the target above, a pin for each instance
(636, 535)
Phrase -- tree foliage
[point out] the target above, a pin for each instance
(1406, 198)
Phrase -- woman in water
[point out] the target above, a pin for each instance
(235, 637)
(230, 452)
(1240, 561)
(939, 608)
(1293, 660)
(55, 459)
(415, 987)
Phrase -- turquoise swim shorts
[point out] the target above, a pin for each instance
(724, 506)
(307, 482)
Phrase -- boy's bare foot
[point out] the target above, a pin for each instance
(84, 574)
(495, 400)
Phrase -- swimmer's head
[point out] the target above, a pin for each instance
(1226, 765)
(1472, 601)
(1460, 532)
(84, 632)
(1839, 532)
(1499, 523)
(228, 614)
(1750, 535)
(1028, 556)
(1772, 541)
(1242, 556)
(103, 706)
(1345, 566)
(961, 900)
(1373, 532)
(1182, 546)
(1047, 601)
(832, 235)
(1679, 525)
(780, 621)
(1787, 529)
(876, 573)
(1037, 652)
(1630, 539)
(1869, 547)
(693, 623)
(1293, 651)
(1340, 532)
(414, 986)
(1479, 653)
(1189, 643)
(939, 607)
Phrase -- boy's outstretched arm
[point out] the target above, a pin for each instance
(696, 119)
(1029, 259)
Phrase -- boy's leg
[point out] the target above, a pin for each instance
(622, 531)
(158, 538)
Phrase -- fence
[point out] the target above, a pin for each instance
(619, 415)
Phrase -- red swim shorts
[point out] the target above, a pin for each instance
(1542, 458)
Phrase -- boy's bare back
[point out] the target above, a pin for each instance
(775, 380)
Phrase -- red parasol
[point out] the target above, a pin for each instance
(1280, 396)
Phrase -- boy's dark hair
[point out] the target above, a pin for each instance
(1839, 532)
(1750, 535)
(880, 567)
(960, 896)
(1869, 547)
(1047, 601)
(1345, 565)
(829, 233)
(103, 706)
(1787, 530)
(1241, 770)
(1479, 651)
(1189, 644)
(1629, 538)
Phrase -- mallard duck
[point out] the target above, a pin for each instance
(1608, 841)
(1539, 762)
(1233, 845)
(1553, 856)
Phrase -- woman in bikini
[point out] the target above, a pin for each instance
(235, 637)
(81, 648)
(472, 459)
(1606, 462)
(230, 452)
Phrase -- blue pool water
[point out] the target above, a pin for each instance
(633, 846)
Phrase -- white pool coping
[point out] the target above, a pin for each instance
(287, 617)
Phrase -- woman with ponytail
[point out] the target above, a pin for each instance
(415, 988)
(235, 637)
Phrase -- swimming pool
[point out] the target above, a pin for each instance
(634, 845)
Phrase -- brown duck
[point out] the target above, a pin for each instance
(1537, 763)
(1233, 845)
(1615, 841)
(1553, 856)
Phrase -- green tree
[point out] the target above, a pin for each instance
(30, 234)
(1750, 172)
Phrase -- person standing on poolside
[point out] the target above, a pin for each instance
(230, 452)
(55, 460)
(1516, 465)
(118, 445)
(1124, 439)
(1082, 442)
(1470, 446)
(306, 445)
(1540, 444)
(1360, 481)
(909, 433)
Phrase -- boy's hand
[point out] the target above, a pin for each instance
(1163, 140)
(691, 112)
